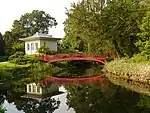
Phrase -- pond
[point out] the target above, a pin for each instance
(105, 95)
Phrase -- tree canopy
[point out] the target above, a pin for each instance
(1, 45)
(111, 25)
(27, 25)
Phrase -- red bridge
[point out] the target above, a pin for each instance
(71, 57)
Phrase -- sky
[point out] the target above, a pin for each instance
(11, 10)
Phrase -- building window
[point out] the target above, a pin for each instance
(29, 88)
(32, 46)
(34, 88)
(28, 47)
(36, 46)
(44, 43)
(38, 88)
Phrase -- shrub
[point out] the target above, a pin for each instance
(109, 59)
(44, 49)
(18, 54)
(30, 59)
(3, 58)
(21, 59)
(140, 58)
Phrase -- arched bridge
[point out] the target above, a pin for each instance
(71, 57)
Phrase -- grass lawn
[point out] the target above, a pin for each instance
(7, 65)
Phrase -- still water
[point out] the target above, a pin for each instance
(99, 97)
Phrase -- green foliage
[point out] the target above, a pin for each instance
(18, 46)
(39, 71)
(3, 58)
(27, 25)
(16, 55)
(144, 40)
(141, 58)
(1, 45)
(45, 50)
(2, 109)
(93, 26)
(145, 27)
(16, 58)
(21, 59)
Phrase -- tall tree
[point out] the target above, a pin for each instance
(27, 25)
(103, 25)
(36, 21)
(1, 45)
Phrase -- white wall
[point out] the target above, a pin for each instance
(36, 89)
(51, 44)
(43, 91)
(31, 51)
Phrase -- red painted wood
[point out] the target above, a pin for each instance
(70, 57)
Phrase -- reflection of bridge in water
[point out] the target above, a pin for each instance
(88, 80)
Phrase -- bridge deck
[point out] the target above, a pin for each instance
(70, 57)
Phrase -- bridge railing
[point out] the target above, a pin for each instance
(46, 57)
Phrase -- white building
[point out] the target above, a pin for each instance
(36, 41)
(36, 89)
(36, 92)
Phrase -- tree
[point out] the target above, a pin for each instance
(144, 34)
(9, 40)
(83, 23)
(144, 38)
(101, 25)
(1, 45)
(28, 25)
(36, 21)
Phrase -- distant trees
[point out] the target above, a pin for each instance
(27, 25)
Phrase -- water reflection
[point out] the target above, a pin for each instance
(99, 97)
(36, 100)
(136, 86)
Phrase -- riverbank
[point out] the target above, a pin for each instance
(125, 69)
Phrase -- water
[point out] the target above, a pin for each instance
(103, 95)
(100, 97)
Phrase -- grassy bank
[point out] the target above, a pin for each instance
(8, 73)
(8, 65)
(126, 69)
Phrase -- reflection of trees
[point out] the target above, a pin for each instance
(144, 103)
(129, 84)
(2, 109)
(78, 68)
(142, 88)
(46, 105)
(102, 99)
